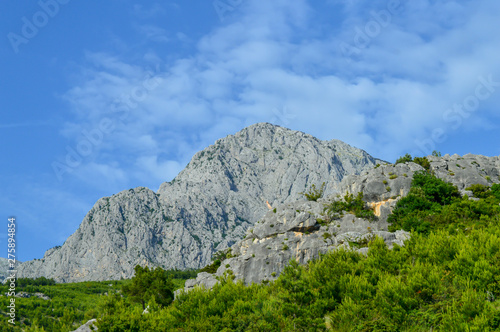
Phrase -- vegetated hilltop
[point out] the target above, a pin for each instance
(209, 206)
(301, 231)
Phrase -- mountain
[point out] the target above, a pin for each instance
(4, 268)
(209, 206)
(296, 230)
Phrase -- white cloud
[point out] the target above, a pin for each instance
(395, 91)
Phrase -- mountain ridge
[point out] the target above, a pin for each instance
(208, 206)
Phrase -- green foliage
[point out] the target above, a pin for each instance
(434, 204)
(405, 159)
(482, 191)
(70, 305)
(438, 282)
(150, 284)
(313, 194)
(422, 161)
(495, 190)
(445, 278)
(350, 204)
(436, 153)
(217, 259)
(42, 281)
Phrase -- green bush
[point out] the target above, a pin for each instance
(405, 159)
(313, 194)
(441, 282)
(350, 204)
(434, 204)
(150, 284)
(422, 161)
(480, 191)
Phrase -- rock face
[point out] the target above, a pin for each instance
(209, 206)
(4, 268)
(296, 231)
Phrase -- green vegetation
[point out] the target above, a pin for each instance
(313, 194)
(217, 259)
(436, 153)
(422, 161)
(481, 191)
(150, 284)
(438, 282)
(434, 204)
(405, 159)
(445, 278)
(70, 305)
(350, 204)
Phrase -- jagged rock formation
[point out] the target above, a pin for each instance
(209, 206)
(295, 231)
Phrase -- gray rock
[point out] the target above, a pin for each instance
(5, 268)
(225, 190)
(294, 232)
(209, 206)
(87, 327)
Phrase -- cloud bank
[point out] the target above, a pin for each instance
(385, 76)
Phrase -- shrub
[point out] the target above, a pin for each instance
(350, 204)
(150, 284)
(313, 194)
(422, 161)
(405, 159)
(434, 204)
(480, 191)
(436, 153)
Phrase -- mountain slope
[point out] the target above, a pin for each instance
(297, 230)
(209, 206)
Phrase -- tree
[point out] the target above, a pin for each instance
(436, 153)
(147, 284)
(405, 159)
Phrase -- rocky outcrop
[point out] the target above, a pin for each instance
(224, 191)
(297, 230)
(466, 170)
(209, 206)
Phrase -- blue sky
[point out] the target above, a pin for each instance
(102, 96)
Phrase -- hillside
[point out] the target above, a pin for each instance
(209, 206)
(443, 277)
(298, 230)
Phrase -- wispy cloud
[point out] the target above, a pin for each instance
(264, 59)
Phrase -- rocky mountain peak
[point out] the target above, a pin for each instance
(209, 206)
